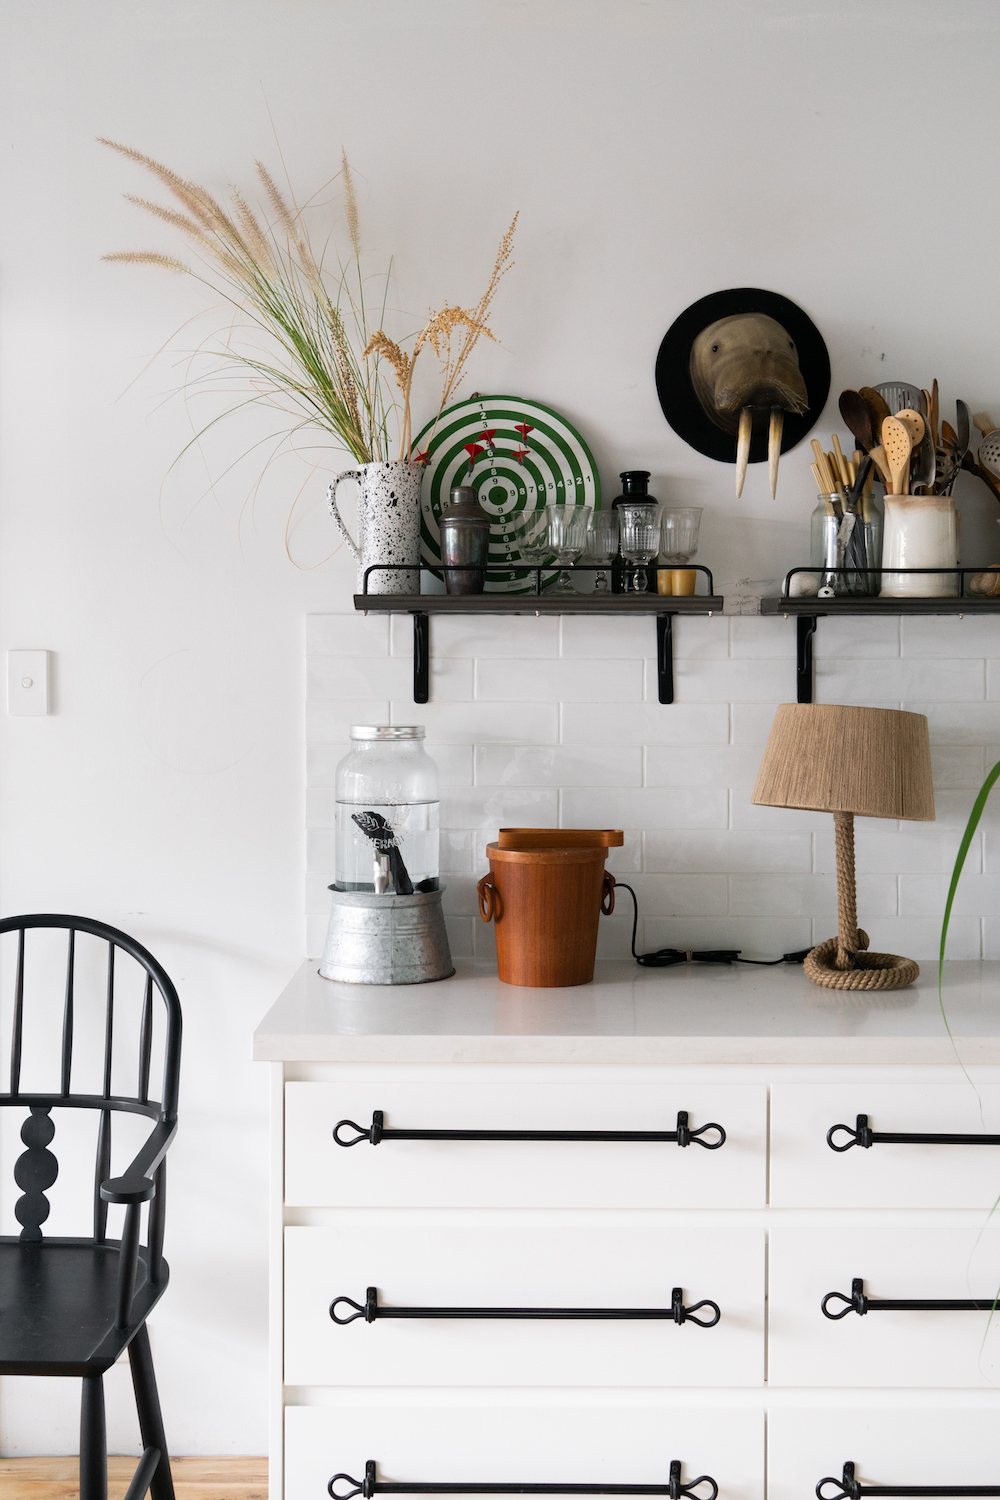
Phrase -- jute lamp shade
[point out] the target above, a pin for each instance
(852, 762)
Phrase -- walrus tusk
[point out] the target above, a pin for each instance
(743, 448)
(774, 447)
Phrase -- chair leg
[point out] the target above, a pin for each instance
(93, 1441)
(147, 1402)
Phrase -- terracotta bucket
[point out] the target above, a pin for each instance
(545, 893)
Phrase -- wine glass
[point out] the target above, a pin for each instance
(567, 531)
(679, 533)
(602, 544)
(640, 531)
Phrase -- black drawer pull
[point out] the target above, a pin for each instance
(370, 1486)
(675, 1313)
(860, 1303)
(682, 1136)
(863, 1135)
(850, 1488)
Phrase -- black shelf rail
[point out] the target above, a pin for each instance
(682, 1136)
(851, 1488)
(371, 1485)
(371, 1311)
(542, 602)
(862, 1134)
(860, 1303)
(808, 608)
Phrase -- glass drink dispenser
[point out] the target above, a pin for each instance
(387, 812)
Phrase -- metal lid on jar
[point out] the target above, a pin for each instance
(464, 507)
(387, 731)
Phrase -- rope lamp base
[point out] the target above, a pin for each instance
(882, 971)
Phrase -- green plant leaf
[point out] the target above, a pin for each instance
(963, 849)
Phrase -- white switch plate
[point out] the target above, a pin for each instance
(27, 682)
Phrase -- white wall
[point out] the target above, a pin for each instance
(657, 151)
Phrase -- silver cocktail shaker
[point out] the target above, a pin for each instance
(465, 542)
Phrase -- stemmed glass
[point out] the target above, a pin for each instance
(602, 544)
(679, 533)
(640, 530)
(567, 530)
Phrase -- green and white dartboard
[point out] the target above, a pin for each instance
(523, 456)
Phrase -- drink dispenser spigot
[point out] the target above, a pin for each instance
(386, 925)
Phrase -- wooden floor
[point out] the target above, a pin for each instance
(194, 1478)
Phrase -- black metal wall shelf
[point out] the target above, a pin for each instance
(371, 1485)
(861, 1134)
(682, 1136)
(663, 607)
(372, 1311)
(806, 609)
(851, 1488)
(860, 1303)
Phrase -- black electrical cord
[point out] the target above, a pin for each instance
(664, 957)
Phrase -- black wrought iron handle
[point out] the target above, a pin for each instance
(863, 1135)
(850, 1488)
(675, 1313)
(371, 1485)
(860, 1303)
(682, 1136)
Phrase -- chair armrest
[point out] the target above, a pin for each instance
(136, 1186)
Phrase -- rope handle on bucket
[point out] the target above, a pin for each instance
(489, 899)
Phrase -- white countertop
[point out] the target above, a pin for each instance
(692, 1013)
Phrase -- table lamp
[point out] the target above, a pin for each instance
(853, 762)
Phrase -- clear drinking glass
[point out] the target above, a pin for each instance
(567, 531)
(532, 540)
(679, 534)
(602, 544)
(640, 533)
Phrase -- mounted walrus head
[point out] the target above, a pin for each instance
(745, 369)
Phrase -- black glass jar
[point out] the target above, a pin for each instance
(635, 491)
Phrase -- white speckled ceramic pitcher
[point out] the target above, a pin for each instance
(388, 524)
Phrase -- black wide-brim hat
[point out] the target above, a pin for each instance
(681, 406)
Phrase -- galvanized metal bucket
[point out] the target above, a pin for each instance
(386, 939)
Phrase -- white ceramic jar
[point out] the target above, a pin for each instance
(920, 531)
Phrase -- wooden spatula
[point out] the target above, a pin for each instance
(898, 446)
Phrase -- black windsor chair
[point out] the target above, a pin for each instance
(70, 1306)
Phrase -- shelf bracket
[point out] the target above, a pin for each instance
(665, 657)
(805, 627)
(421, 656)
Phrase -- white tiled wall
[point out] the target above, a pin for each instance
(552, 722)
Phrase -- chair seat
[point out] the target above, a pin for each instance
(57, 1306)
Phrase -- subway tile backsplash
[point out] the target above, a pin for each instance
(555, 721)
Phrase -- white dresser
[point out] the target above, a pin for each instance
(769, 1400)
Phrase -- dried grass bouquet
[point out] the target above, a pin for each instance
(316, 342)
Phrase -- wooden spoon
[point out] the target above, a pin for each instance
(914, 424)
(856, 415)
(935, 413)
(877, 405)
(881, 463)
(898, 447)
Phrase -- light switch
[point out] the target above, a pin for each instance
(27, 682)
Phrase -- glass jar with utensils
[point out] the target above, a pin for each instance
(640, 539)
(567, 535)
(601, 545)
(843, 539)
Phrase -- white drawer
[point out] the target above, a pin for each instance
(882, 1348)
(529, 1174)
(932, 1445)
(805, 1172)
(514, 1443)
(523, 1266)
